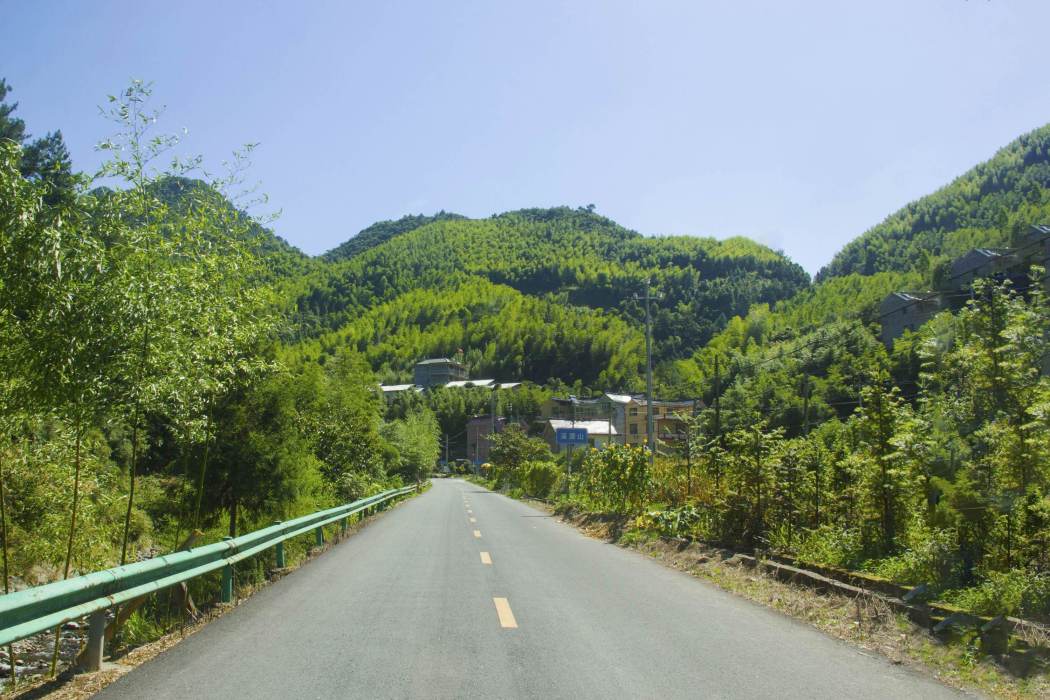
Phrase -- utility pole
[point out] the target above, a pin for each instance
(718, 421)
(492, 420)
(718, 401)
(805, 404)
(689, 450)
(649, 423)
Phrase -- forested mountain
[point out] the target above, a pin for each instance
(504, 334)
(985, 207)
(169, 364)
(923, 462)
(574, 256)
(383, 231)
(184, 195)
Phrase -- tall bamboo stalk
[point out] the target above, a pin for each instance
(7, 581)
(131, 487)
(204, 469)
(72, 529)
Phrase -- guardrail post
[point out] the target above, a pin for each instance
(319, 536)
(91, 659)
(345, 524)
(227, 580)
(279, 549)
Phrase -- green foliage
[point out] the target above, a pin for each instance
(261, 461)
(571, 258)
(381, 232)
(1007, 593)
(616, 479)
(415, 437)
(538, 478)
(512, 452)
(985, 207)
(509, 335)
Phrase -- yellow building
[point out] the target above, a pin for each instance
(669, 419)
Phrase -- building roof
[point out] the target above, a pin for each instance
(507, 385)
(683, 403)
(461, 383)
(387, 388)
(897, 300)
(593, 427)
(619, 398)
(438, 361)
(486, 418)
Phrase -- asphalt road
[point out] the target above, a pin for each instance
(409, 608)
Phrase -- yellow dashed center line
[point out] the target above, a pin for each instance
(486, 559)
(506, 617)
(477, 533)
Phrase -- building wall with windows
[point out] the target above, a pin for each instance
(438, 372)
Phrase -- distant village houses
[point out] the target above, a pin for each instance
(438, 371)
(480, 431)
(901, 311)
(620, 418)
(907, 311)
(442, 372)
(600, 433)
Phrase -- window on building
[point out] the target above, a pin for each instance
(634, 411)
(634, 428)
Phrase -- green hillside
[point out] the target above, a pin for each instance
(382, 231)
(984, 207)
(572, 256)
(505, 334)
(169, 365)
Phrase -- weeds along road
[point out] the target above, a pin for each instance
(463, 593)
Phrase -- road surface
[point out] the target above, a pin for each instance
(463, 593)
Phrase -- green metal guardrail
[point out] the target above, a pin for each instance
(34, 610)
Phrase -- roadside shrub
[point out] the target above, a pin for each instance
(539, 478)
(832, 546)
(511, 451)
(671, 522)
(1016, 592)
(616, 478)
(933, 559)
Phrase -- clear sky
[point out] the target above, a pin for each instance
(800, 124)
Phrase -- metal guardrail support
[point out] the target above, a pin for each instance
(319, 537)
(227, 579)
(344, 524)
(91, 659)
(34, 610)
(279, 550)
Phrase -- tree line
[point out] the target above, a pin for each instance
(144, 396)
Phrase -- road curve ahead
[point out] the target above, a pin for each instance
(463, 593)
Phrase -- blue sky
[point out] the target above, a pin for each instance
(800, 124)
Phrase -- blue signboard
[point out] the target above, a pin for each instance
(571, 436)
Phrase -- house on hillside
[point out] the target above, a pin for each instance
(438, 372)
(627, 414)
(599, 432)
(979, 262)
(669, 420)
(609, 407)
(480, 430)
(901, 311)
(1034, 248)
